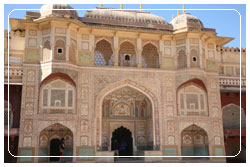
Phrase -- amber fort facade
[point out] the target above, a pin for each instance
(166, 89)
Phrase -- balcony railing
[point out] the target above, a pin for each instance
(232, 82)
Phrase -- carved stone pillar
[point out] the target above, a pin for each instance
(116, 50)
(115, 58)
(92, 59)
(139, 58)
(139, 52)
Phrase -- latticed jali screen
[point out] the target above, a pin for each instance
(150, 56)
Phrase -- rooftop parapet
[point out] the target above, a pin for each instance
(232, 49)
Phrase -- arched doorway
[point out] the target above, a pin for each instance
(55, 149)
(122, 140)
(50, 139)
(194, 141)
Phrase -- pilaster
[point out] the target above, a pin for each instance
(188, 52)
(52, 42)
(116, 50)
(139, 52)
(67, 44)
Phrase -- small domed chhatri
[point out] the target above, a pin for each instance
(186, 20)
(51, 9)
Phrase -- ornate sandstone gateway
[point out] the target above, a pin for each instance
(119, 76)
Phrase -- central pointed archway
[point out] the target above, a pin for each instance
(140, 117)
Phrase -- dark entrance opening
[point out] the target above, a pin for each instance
(55, 149)
(122, 140)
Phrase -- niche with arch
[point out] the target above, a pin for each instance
(103, 54)
(194, 141)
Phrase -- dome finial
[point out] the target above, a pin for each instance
(172, 17)
(101, 5)
(183, 7)
(140, 7)
(178, 12)
(121, 6)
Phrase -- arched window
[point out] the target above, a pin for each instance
(46, 51)
(103, 53)
(6, 105)
(127, 55)
(195, 60)
(60, 50)
(150, 56)
(57, 96)
(182, 59)
(194, 141)
(192, 100)
(72, 52)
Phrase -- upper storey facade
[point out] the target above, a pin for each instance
(121, 39)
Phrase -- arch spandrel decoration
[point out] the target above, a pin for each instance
(138, 87)
(202, 125)
(106, 38)
(198, 80)
(44, 124)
